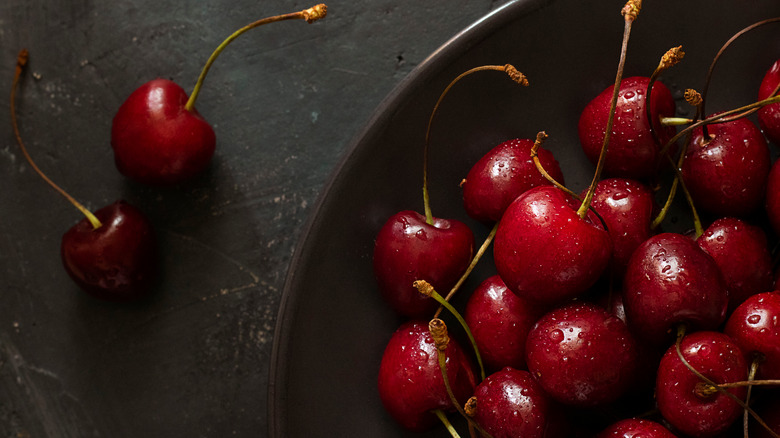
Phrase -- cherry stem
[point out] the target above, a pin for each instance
(441, 339)
(443, 418)
(21, 62)
(751, 377)
(480, 252)
(671, 58)
(717, 57)
(427, 289)
(706, 384)
(510, 70)
(629, 11)
(310, 15)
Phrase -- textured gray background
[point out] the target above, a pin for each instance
(284, 101)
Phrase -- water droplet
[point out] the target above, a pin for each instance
(754, 319)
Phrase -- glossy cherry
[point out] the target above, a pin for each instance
(741, 252)
(509, 403)
(156, 140)
(544, 251)
(407, 249)
(679, 392)
(500, 321)
(671, 281)
(117, 261)
(632, 153)
(636, 428)
(726, 173)
(627, 207)
(769, 115)
(502, 175)
(582, 355)
(755, 327)
(410, 380)
(158, 136)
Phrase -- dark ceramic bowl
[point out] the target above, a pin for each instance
(333, 325)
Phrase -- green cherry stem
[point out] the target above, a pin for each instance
(629, 12)
(513, 74)
(443, 418)
(21, 62)
(427, 289)
(309, 15)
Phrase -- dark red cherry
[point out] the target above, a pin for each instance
(502, 175)
(636, 428)
(772, 202)
(409, 249)
(627, 207)
(156, 140)
(755, 327)
(726, 173)
(500, 321)
(509, 403)
(118, 260)
(769, 115)
(742, 254)
(582, 355)
(411, 385)
(544, 251)
(632, 152)
(680, 395)
(670, 281)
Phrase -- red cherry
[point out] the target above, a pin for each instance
(755, 327)
(544, 251)
(679, 391)
(671, 281)
(742, 254)
(636, 428)
(769, 115)
(117, 261)
(632, 152)
(511, 404)
(500, 321)
(502, 175)
(627, 207)
(409, 249)
(410, 380)
(582, 355)
(156, 140)
(727, 173)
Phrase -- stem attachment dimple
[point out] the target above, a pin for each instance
(310, 15)
(21, 63)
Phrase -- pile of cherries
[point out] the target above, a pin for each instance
(160, 139)
(599, 323)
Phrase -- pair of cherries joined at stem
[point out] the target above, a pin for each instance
(158, 138)
(670, 282)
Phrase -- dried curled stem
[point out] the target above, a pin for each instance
(671, 58)
(693, 97)
(631, 9)
(314, 13)
(438, 330)
(471, 406)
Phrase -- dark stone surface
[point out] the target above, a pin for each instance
(284, 100)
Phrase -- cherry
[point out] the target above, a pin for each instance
(502, 175)
(544, 251)
(407, 249)
(671, 281)
(158, 136)
(741, 252)
(117, 261)
(685, 400)
(636, 428)
(410, 382)
(769, 115)
(755, 327)
(111, 254)
(582, 355)
(632, 153)
(500, 321)
(509, 403)
(726, 173)
(627, 207)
